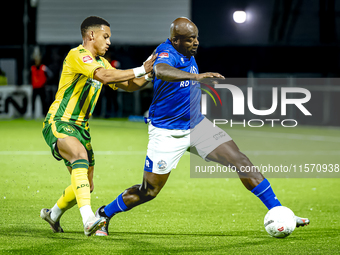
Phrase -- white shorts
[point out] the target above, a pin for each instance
(167, 146)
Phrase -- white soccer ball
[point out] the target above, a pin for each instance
(280, 222)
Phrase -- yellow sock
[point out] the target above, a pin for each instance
(67, 199)
(80, 182)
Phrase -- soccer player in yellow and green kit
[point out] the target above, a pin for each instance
(66, 127)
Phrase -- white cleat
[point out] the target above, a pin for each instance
(93, 224)
(301, 222)
(45, 214)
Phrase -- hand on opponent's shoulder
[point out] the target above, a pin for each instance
(106, 76)
(148, 64)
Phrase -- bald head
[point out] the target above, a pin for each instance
(183, 35)
(181, 27)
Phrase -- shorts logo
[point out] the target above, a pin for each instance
(87, 59)
(148, 164)
(68, 129)
(83, 186)
(164, 55)
(162, 165)
(219, 135)
(88, 146)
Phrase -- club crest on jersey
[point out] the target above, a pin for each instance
(87, 59)
(162, 165)
(164, 55)
(68, 129)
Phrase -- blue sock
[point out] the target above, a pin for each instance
(116, 206)
(265, 192)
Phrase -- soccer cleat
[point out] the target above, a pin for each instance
(93, 224)
(104, 230)
(301, 222)
(45, 214)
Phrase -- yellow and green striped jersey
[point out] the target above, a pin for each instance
(77, 92)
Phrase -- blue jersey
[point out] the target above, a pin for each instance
(175, 105)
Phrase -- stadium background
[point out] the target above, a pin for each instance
(286, 39)
(290, 39)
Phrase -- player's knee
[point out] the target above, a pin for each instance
(81, 155)
(141, 195)
(150, 193)
(77, 155)
(243, 159)
(239, 159)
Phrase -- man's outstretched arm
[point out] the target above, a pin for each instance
(106, 76)
(133, 84)
(169, 73)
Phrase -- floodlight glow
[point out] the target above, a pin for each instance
(240, 16)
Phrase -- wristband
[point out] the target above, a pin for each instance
(139, 71)
(147, 78)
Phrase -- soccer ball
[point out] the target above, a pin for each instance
(280, 222)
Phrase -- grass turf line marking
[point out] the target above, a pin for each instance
(130, 153)
(267, 135)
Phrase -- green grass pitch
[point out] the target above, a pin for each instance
(190, 215)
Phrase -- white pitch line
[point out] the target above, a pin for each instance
(267, 135)
(42, 153)
(129, 153)
(293, 153)
(29, 153)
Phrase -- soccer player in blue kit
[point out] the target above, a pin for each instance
(175, 115)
